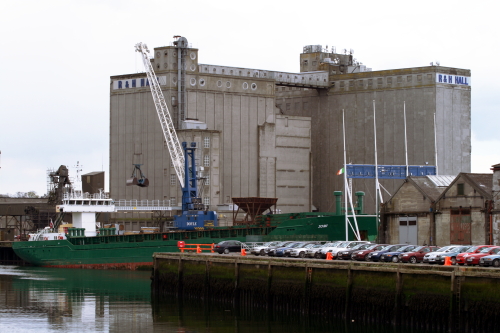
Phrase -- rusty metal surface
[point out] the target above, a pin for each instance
(252, 206)
(460, 229)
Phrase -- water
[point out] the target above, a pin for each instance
(35, 299)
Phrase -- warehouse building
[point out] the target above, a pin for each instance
(264, 133)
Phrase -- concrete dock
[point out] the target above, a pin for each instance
(432, 295)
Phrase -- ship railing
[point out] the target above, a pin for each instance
(40, 232)
(143, 203)
(79, 195)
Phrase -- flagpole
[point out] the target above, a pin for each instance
(376, 164)
(406, 141)
(345, 181)
(435, 145)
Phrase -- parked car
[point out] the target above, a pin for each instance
(300, 252)
(491, 260)
(474, 249)
(314, 251)
(346, 247)
(262, 249)
(452, 253)
(393, 256)
(340, 247)
(227, 246)
(346, 254)
(437, 256)
(473, 258)
(362, 255)
(272, 250)
(285, 251)
(375, 255)
(417, 255)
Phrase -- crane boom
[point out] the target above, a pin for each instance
(167, 126)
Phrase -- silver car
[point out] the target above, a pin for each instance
(315, 252)
(262, 249)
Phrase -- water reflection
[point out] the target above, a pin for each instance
(64, 299)
(47, 300)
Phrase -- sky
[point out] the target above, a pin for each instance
(57, 57)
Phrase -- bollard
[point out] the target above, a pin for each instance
(329, 256)
(243, 252)
(198, 249)
(447, 261)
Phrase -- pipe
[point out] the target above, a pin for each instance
(338, 202)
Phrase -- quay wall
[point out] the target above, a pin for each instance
(425, 296)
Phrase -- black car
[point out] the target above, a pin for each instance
(393, 256)
(227, 246)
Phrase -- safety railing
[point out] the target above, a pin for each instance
(198, 248)
(143, 203)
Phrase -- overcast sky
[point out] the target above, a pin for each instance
(57, 56)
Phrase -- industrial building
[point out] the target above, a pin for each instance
(264, 133)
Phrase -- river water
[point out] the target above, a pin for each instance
(35, 299)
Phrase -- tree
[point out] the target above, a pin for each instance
(30, 194)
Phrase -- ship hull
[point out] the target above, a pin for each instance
(135, 251)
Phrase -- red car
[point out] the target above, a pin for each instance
(476, 249)
(473, 258)
(417, 255)
(362, 254)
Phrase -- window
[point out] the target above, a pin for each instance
(173, 180)
(206, 142)
(206, 160)
(206, 201)
(173, 202)
(460, 189)
(207, 180)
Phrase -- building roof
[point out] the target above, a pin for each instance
(441, 180)
(482, 181)
(431, 186)
(93, 173)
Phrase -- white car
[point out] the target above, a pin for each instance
(300, 252)
(314, 252)
(432, 257)
(338, 247)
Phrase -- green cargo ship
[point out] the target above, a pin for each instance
(109, 251)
